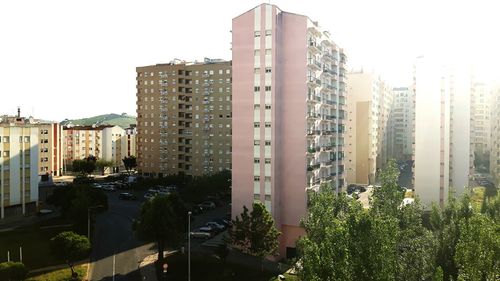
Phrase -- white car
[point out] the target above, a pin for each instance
(200, 235)
(215, 226)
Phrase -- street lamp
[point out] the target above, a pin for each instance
(189, 246)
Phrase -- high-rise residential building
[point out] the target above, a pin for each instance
(184, 118)
(495, 133)
(402, 116)
(368, 137)
(289, 99)
(105, 142)
(480, 111)
(19, 159)
(442, 131)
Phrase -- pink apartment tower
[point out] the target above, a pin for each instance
(288, 115)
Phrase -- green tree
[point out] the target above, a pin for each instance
(255, 233)
(478, 249)
(102, 165)
(13, 271)
(70, 247)
(324, 250)
(85, 166)
(130, 162)
(388, 197)
(162, 220)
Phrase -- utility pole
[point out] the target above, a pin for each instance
(189, 246)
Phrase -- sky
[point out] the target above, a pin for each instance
(74, 59)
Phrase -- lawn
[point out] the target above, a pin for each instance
(60, 275)
(477, 197)
(34, 242)
(210, 268)
(288, 277)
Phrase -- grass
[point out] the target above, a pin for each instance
(34, 242)
(210, 268)
(60, 275)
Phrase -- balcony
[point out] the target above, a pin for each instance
(314, 64)
(313, 81)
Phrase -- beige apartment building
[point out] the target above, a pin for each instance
(368, 137)
(495, 133)
(105, 142)
(19, 159)
(184, 118)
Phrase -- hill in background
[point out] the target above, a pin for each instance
(122, 120)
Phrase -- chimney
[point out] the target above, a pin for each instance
(18, 112)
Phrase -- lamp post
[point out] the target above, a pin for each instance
(88, 218)
(189, 246)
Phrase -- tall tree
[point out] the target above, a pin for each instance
(130, 162)
(388, 197)
(70, 247)
(255, 233)
(85, 166)
(102, 165)
(478, 249)
(162, 220)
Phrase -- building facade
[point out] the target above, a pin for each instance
(402, 117)
(51, 149)
(105, 142)
(442, 131)
(495, 133)
(368, 136)
(184, 118)
(19, 159)
(481, 102)
(289, 99)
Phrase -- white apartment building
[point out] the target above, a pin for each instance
(495, 133)
(402, 117)
(442, 131)
(481, 126)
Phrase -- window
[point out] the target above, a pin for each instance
(256, 106)
(268, 88)
(268, 70)
(256, 142)
(268, 197)
(256, 178)
(268, 32)
(256, 89)
(268, 161)
(268, 124)
(267, 179)
(256, 196)
(220, 71)
(256, 52)
(268, 143)
(268, 52)
(256, 125)
(256, 70)
(268, 106)
(256, 160)
(6, 153)
(256, 33)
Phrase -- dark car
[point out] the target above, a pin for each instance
(127, 196)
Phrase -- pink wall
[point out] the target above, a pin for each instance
(243, 76)
(291, 125)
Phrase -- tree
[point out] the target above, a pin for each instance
(70, 247)
(163, 220)
(388, 197)
(478, 249)
(324, 250)
(255, 233)
(101, 165)
(85, 166)
(130, 162)
(13, 271)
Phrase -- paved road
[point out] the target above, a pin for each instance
(117, 252)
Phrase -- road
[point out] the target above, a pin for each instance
(116, 252)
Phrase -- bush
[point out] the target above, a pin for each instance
(13, 271)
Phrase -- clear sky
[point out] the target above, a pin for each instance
(73, 59)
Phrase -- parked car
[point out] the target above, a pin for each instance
(127, 196)
(224, 222)
(149, 196)
(109, 188)
(217, 227)
(200, 235)
(43, 212)
(207, 205)
(207, 229)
